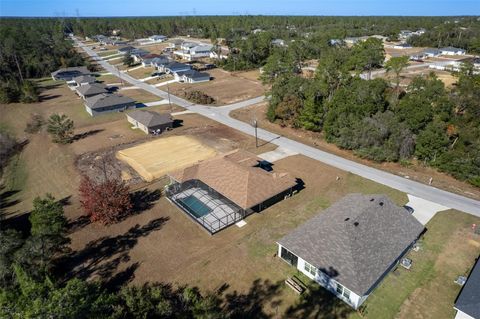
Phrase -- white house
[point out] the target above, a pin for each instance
(157, 38)
(352, 245)
(191, 76)
(431, 52)
(194, 52)
(467, 304)
(452, 51)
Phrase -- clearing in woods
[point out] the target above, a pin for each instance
(154, 159)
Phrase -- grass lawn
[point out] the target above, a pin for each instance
(427, 290)
(139, 95)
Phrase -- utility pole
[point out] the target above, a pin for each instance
(255, 125)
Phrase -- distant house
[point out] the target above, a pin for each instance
(67, 74)
(89, 90)
(147, 59)
(126, 49)
(160, 61)
(191, 76)
(352, 245)
(452, 51)
(106, 103)
(150, 122)
(258, 30)
(174, 67)
(402, 46)
(138, 54)
(333, 42)
(431, 52)
(279, 43)
(189, 52)
(157, 38)
(468, 301)
(220, 54)
(175, 43)
(84, 80)
(405, 34)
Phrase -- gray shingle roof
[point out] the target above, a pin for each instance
(72, 71)
(84, 79)
(151, 119)
(91, 89)
(355, 240)
(451, 49)
(106, 100)
(192, 74)
(468, 301)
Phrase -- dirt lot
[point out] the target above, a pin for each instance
(139, 95)
(416, 171)
(142, 72)
(225, 87)
(154, 48)
(156, 158)
(391, 52)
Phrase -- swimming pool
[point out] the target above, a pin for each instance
(194, 206)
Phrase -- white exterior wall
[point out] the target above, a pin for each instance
(328, 283)
(89, 110)
(462, 315)
(137, 124)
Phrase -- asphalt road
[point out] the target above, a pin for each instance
(221, 115)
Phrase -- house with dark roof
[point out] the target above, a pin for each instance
(83, 80)
(452, 51)
(351, 246)
(468, 300)
(221, 191)
(158, 61)
(191, 76)
(67, 74)
(106, 103)
(402, 46)
(432, 52)
(89, 90)
(174, 67)
(150, 122)
(157, 38)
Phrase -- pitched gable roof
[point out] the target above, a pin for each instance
(235, 176)
(151, 119)
(84, 79)
(355, 240)
(105, 100)
(468, 301)
(91, 89)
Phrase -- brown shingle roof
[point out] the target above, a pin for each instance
(235, 176)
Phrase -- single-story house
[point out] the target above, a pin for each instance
(175, 43)
(174, 67)
(150, 122)
(138, 54)
(147, 59)
(157, 38)
(191, 76)
(126, 49)
(402, 46)
(468, 300)
(452, 51)
(106, 103)
(185, 45)
(89, 90)
(159, 61)
(351, 246)
(223, 190)
(431, 52)
(279, 43)
(83, 80)
(67, 74)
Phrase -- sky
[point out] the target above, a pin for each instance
(84, 8)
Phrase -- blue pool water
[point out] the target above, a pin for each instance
(195, 206)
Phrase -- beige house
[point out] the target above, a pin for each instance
(150, 122)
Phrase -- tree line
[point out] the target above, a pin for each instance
(377, 120)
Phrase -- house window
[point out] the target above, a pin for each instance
(311, 269)
(289, 257)
(339, 289)
(346, 293)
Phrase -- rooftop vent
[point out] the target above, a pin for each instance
(347, 219)
(355, 224)
(372, 199)
(381, 203)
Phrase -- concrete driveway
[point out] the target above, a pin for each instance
(424, 210)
